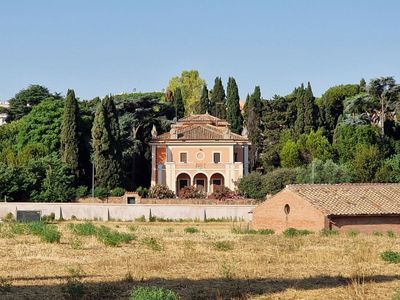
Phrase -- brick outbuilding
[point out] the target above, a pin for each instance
(362, 207)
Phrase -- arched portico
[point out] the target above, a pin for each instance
(216, 179)
(200, 181)
(182, 180)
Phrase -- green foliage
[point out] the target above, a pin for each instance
(391, 234)
(112, 237)
(324, 172)
(42, 125)
(152, 293)
(190, 85)
(47, 233)
(74, 289)
(161, 192)
(152, 243)
(293, 232)
(204, 105)
(9, 218)
(290, 155)
(83, 229)
(233, 113)
(178, 104)
(69, 132)
(223, 245)
(307, 113)
(391, 257)
(117, 192)
(191, 230)
(329, 232)
(366, 163)
(101, 192)
(318, 146)
(276, 180)
(251, 186)
(142, 191)
(352, 233)
(266, 231)
(253, 122)
(218, 100)
(81, 191)
(48, 218)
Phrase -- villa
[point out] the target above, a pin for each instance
(199, 151)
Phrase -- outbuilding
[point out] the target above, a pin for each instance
(365, 208)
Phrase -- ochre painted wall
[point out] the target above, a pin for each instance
(161, 156)
(270, 214)
(208, 153)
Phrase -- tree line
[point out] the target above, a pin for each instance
(51, 143)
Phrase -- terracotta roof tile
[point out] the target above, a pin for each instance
(351, 199)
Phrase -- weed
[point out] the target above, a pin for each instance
(74, 288)
(292, 232)
(112, 237)
(152, 293)
(390, 234)
(5, 285)
(265, 231)
(133, 228)
(76, 243)
(169, 229)
(396, 295)
(85, 229)
(140, 219)
(377, 233)
(391, 256)
(9, 218)
(191, 230)
(223, 245)
(329, 232)
(47, 233)
(152, 243)
(48, 218)
(240, 230)
(227, 270)
(352, 233)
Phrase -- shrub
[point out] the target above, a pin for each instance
(152, 243)
(329, 232)
(132, 228)
(117, 192)
(48, 218)
(101, 192)
(112, 237)
(223, 245)
(47, 233)
(84, 229)
(9, 218)
(240, 230)
(390, 234)
(161, 192)
(140, 219)
(152, 293)
(74, 288)
(266, 231)
(391, 257)
(352, 233)
(377, 233)
(292, 232)
(142, 191)
(191, 230)
(251, 186)
(191, 192)
(222, 193)
(81, 191)
(275, 181)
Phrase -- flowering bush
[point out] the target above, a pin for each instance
(161, 192)
(191, 192)
(222, 193)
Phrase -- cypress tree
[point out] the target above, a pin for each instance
(106, 145)
(234, 115)
(310, 110)
(204, 101)
(178, 104)
(69, 132)
(218, 101)
(254, 128)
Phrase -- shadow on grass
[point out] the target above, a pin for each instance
(187, 288)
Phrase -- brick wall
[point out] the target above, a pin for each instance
(366, 224)
(271, 214)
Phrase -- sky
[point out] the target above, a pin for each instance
(99, 47)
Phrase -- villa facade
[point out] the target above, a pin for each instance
(199, 151)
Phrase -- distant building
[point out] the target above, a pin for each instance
(362, 207)
(199, 151)
(3, 116)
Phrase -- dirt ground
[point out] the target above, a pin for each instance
(196, 266)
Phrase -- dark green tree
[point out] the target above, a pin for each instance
(106, 145)
(179, 104)
(218, 101)
(25, 99)
(204, 106)
(234, 115)
(69, 133)
(254, 127)
(306, 110)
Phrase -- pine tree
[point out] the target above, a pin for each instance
(106, 145)
(178, 104)
(204, 101)
(218, 101)
(234, 115)
(69, 132)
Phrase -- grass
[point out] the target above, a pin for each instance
(216, 264)
(391, 256)
(152, 293)
(293, 232)
(191, 230)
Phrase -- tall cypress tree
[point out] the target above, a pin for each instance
(254, 126)
(106, 145)
(69, 132)
(204, 106)
(307, 111)
(218, 101)
(233, 114)
(179, 104)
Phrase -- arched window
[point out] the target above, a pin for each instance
(286, 209)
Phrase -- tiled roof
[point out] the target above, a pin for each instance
(351, 199)
(200, 118)
(201, 132)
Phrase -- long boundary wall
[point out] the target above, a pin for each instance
(128, 212)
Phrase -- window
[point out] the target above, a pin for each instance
(200, 184)
(286, 209)
(216, 181)
(217, 157)
(183, 157)
(183, 183)
(235, 157)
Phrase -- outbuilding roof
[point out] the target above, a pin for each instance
(351, 199)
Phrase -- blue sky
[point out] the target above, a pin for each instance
(100, 47)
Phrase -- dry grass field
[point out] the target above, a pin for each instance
(213, 263)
